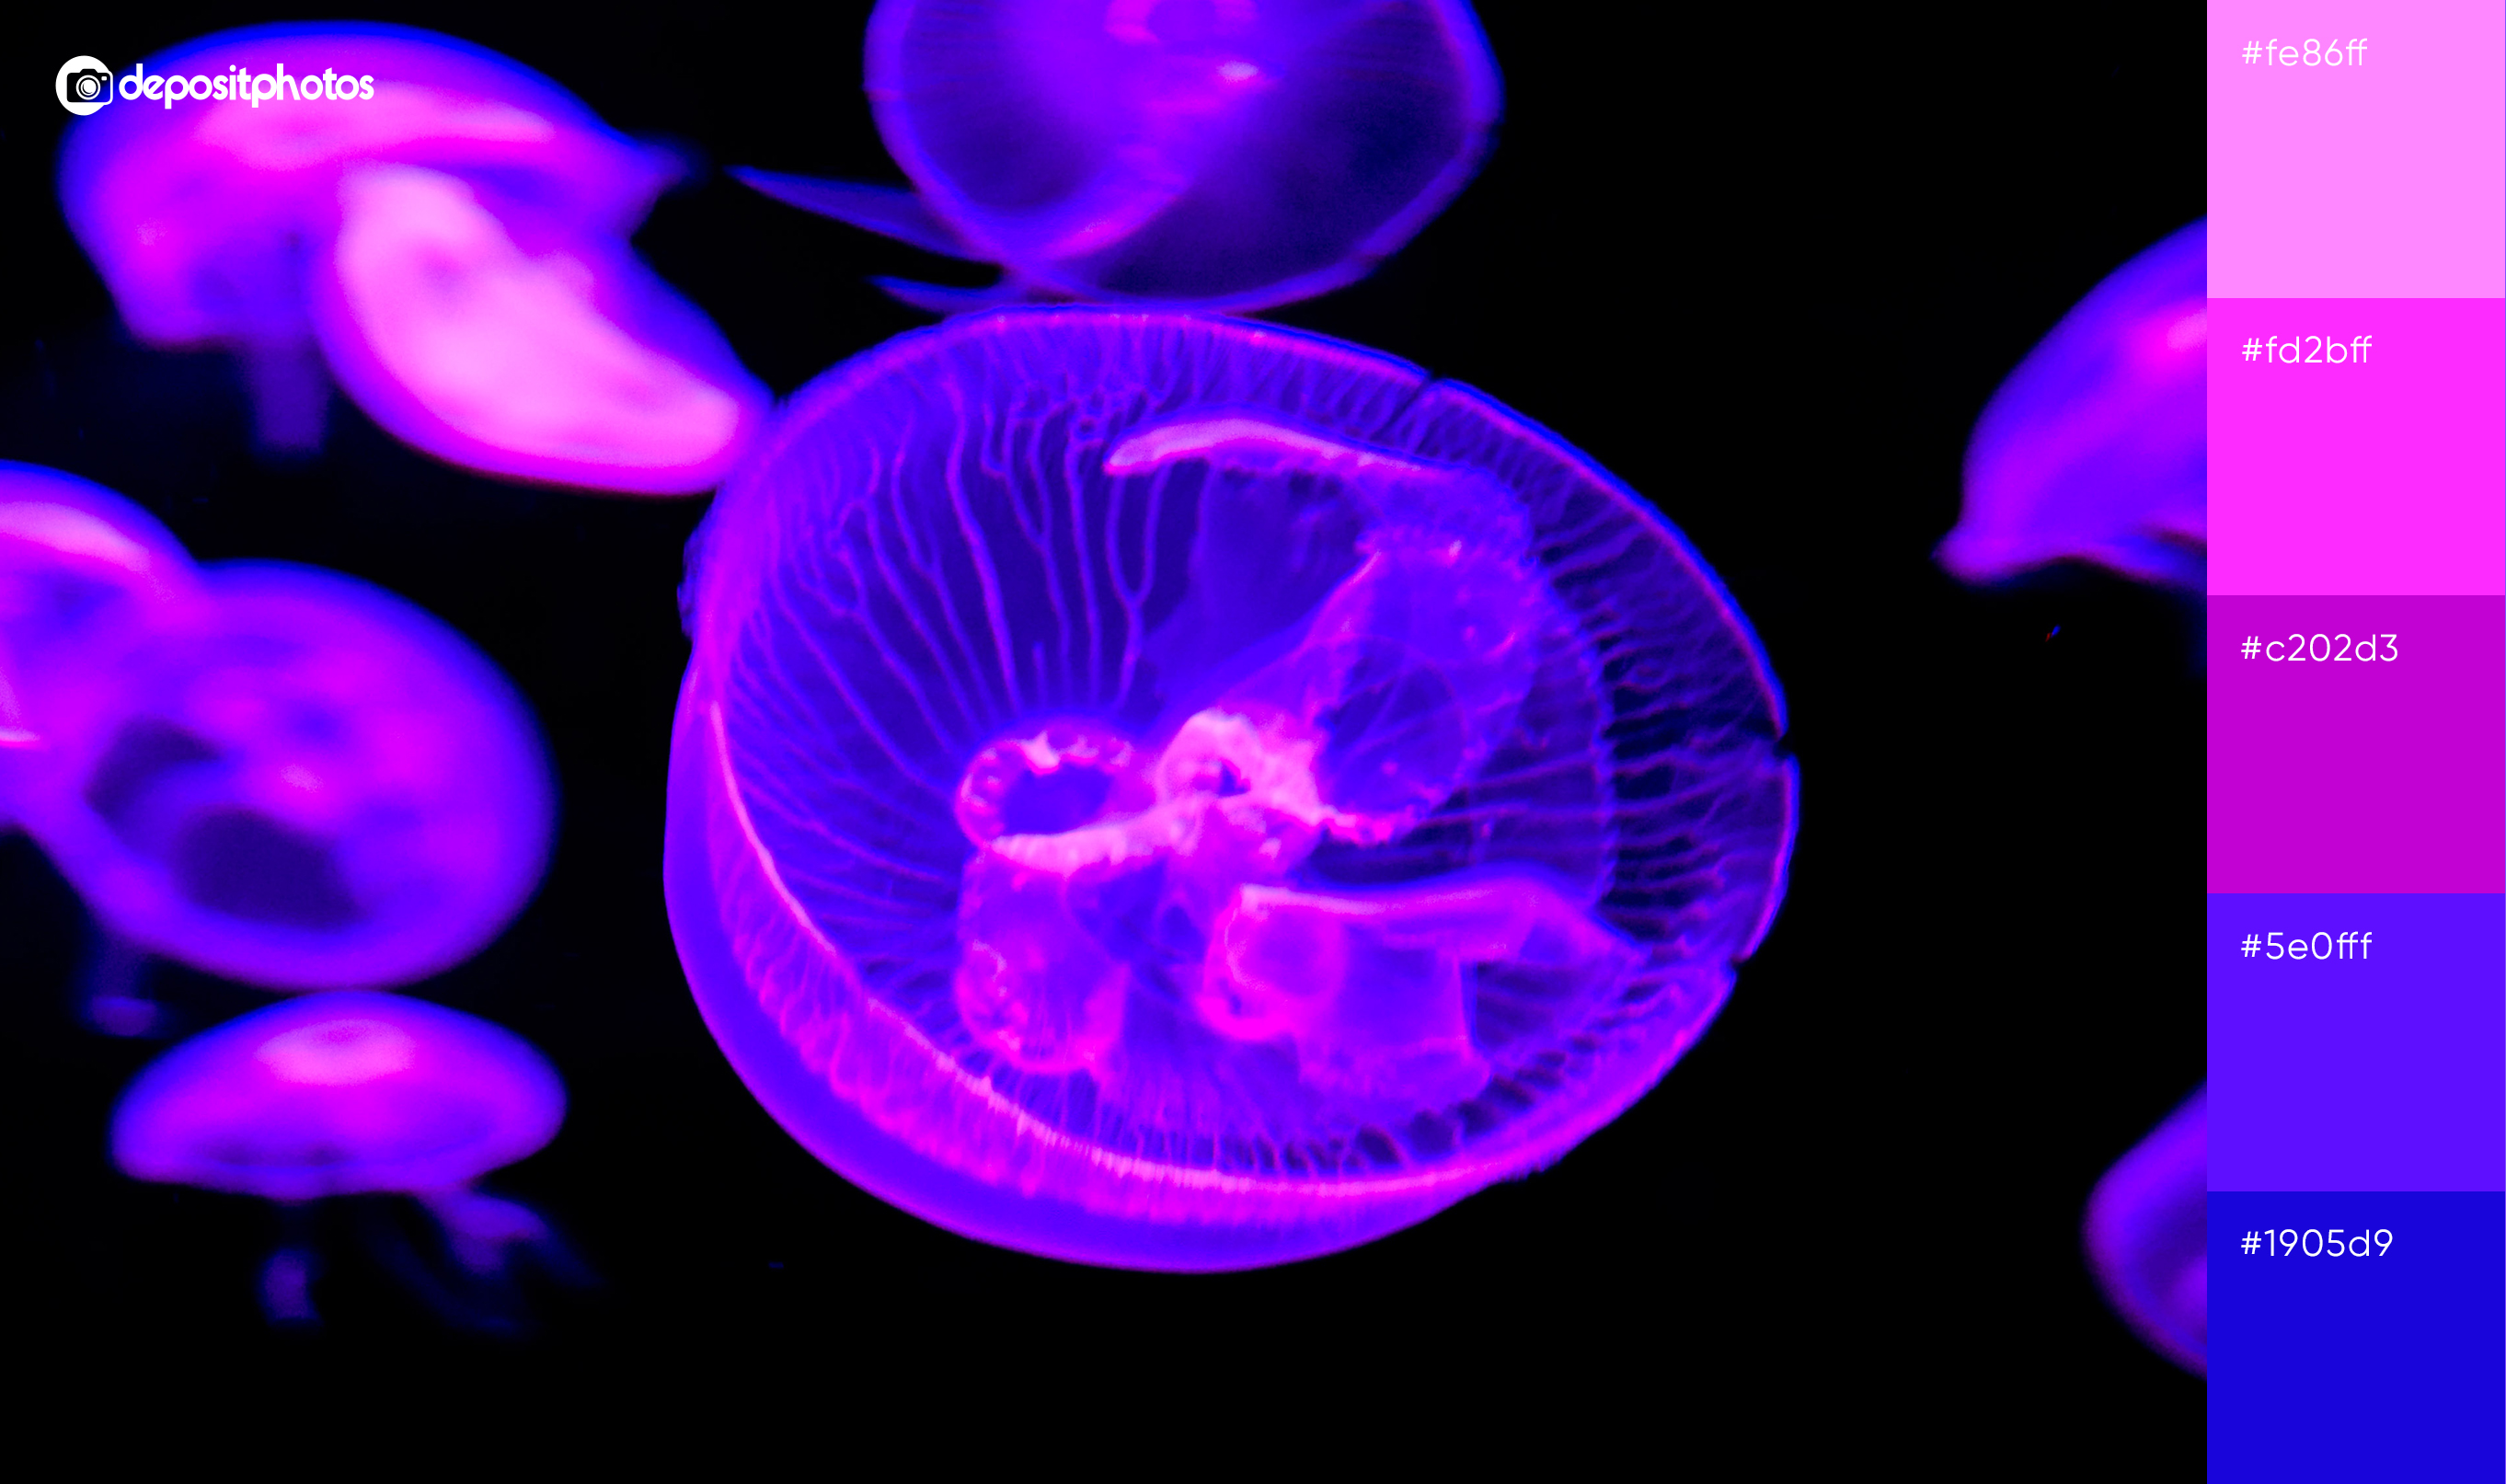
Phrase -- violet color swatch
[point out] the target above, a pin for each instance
(2373, 1067)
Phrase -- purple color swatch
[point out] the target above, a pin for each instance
(437, 226)
(1178, 793)
(2377, 1062)
(299, 782)
(1225, 155)
(2373, 464)
(2094, 449)
(2360, 774)
(2377, 170)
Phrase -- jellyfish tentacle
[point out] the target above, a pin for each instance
(286, 1286)
(944, 301)
(291, 395)
(483, 1232)
(895, 212)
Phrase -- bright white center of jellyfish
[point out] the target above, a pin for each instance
(1402, 678)
(508, 349)
(338, 1053)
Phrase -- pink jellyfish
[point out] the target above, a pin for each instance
(2096, 448)
(2148, 1236)
(304, 783)
(441, 229)
(80, 567)
(355, 1094)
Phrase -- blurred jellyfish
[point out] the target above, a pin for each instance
(2148, 1237)
(1174, 793)
(443, 228)
(1220, 154)
(2096, 450)
(306, 784)
(81, 568)
(357, 1094)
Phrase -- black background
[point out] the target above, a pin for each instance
(1768, 270)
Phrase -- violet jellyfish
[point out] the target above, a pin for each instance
(1176, 793)
(81, 568)
(355, 1094)
(1220, 154)
(441, 229)
(2148, 1237)
(2096, 447)
(307, 783)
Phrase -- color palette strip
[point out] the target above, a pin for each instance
(2358, 745)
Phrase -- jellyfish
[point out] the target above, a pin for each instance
(358, 1094)
(2148, 1237)
(2096, 447)
(306, 784)
(1168, 792)
(80, 567)
(1219, 154)
(437, 229)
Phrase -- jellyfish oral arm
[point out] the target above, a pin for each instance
(1374, 990)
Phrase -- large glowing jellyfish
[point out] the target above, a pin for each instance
(2148, 1236)
(443, 228)
(355, 1094)
(307, 783)
(81, 568)
(2096, 447)
(1221, 153)
(1176, 794)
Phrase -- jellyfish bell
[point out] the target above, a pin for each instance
(1174, 793)
(1220, 154)
(2147, 1235)
(345, 1095)
(2096, 449)
(308, 784)
(438, 227)
(80, 568)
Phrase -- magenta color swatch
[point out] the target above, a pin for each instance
(2385, 176)
(2381, 475)
(2380, 776)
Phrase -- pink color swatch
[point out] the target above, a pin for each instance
(2373, 475)
(2384, 176)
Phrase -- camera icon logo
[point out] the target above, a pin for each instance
(84, 85)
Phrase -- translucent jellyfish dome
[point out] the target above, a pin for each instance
(2096, 448)
(1222, 154)
(343, 1093)
(306, 784)
(438, 227)
(2148, 1236)
(80, 567)
(1176, 794)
